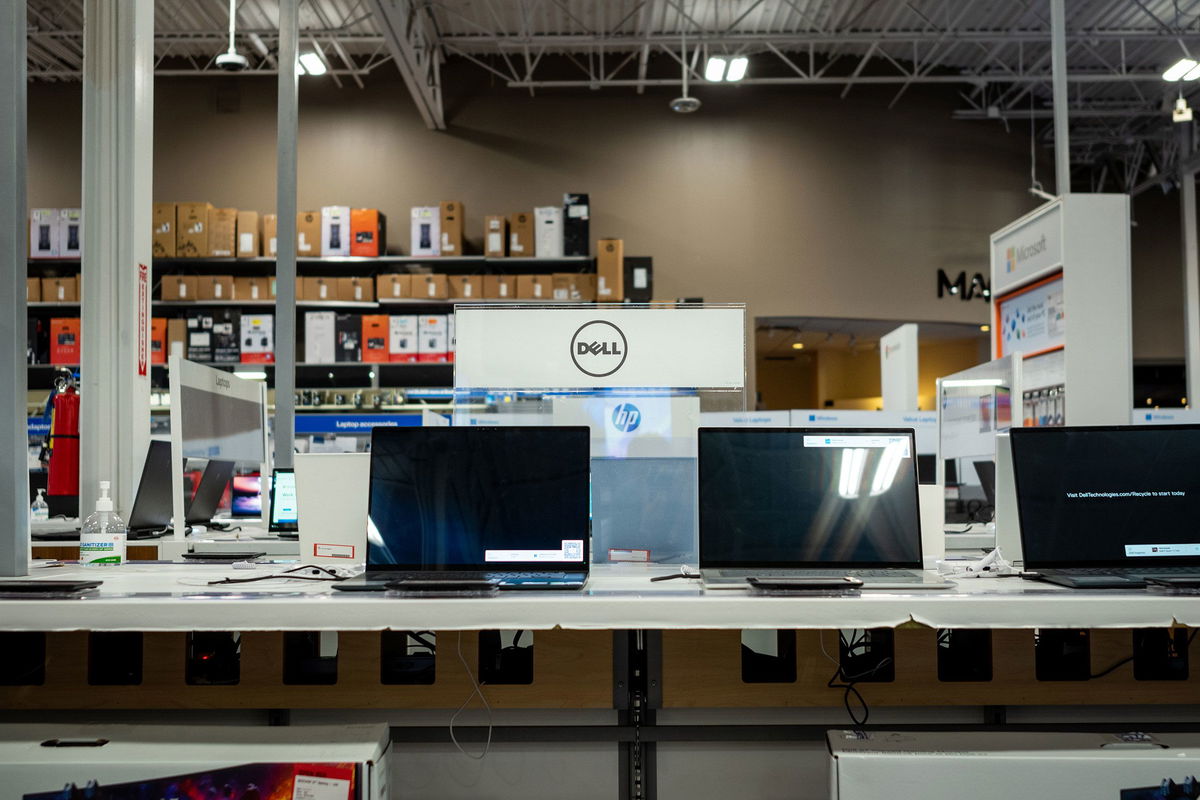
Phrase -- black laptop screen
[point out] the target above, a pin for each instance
(808, 498)
(1126, 496)
(479, 498)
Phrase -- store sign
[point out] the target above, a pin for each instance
(597, 347)
(1032, 320)
(977, 289)
(1027, 249)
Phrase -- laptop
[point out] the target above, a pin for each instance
(1108, 507)
(508, 505)
(810, 503)
(283, 519)
(213, 481)
(331, 507)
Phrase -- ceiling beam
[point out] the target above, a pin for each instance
(415, 54)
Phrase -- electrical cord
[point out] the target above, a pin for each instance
(476, 689)
(1117, 665)
(848, 682)
(288, 574)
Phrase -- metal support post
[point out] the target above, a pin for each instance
(118, 147)
(285, 257)
(637, 694)
(1191, 264)
(1058, 65)
(14, 436)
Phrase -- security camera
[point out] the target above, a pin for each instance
(232, 61)
(685, 105)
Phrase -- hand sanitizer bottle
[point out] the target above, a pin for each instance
(40, 510)
(102, 537)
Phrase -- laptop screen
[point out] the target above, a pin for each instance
(495, 498)
(152, 504)
(284, 516)
(1109, 496)
(796, 497)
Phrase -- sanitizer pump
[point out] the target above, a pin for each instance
(102, 537)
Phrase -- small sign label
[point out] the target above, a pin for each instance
(324, 550)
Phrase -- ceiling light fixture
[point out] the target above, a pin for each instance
(714, 69)
(737, 69)
(1183, 69)
(684, 104)
(797, 345)
(311, 64)
(985, 328)
(1182, 112)
(722, 68)
(231, 60)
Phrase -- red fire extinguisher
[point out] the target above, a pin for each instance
(63, 469)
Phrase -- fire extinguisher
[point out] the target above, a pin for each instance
(63, 467)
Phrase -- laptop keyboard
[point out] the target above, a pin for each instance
(1119, 571)
(820, 573)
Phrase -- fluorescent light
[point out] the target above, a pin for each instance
(251, 376)
(961, 384)
(1179, 69)
(714, 69)
(737, 68)
(1193, 74)
(312, 64)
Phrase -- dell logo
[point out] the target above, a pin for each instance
(599, 348)
(626, 417)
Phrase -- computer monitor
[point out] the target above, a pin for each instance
(246, 496)
(151, 512)
(479, 498)
(284, 516)
(216, 477)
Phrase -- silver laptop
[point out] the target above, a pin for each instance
(808, 502)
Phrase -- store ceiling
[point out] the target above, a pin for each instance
(994, 53)
(775, 336)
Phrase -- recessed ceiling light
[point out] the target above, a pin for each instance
(797, 345)
(985, 328)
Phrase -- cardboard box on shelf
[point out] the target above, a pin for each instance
(70, 233)
(375, 338)
(226, 333)
(191, 230)
(43, 233)
(180, 287)
(500, 287)
(520, 235)
(430, 287)
(610, 271)
(432, 340)
(368, 232)
(162, 222)
(258, 338)
(253, 288)
(60, 290)
(214, 287)
(548, 231)
(451, 231)
(425, 239)
(222, 232)
(393, 287)
(158, 340)
(349, 337)
(495, 236)
(177, 338)
(33, 290)
(583, 288)
(576, 226)
(639, 279)
(199, 335)
(535, 287)
(320, 337)
(402, 338)
(270, 240)
(64, 340)
(308, 233)
(560, 286)
(318, 289)
(466, 287)
(356, 290)
(249, 233)
(335, 230)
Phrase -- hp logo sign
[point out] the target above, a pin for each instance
(626, 417)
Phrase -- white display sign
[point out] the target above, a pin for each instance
(898, 368)
(1169, 416)
(595, 347)
(1029, 247)
(1033, 319)
(745, 419)
(634, 427)
(924, 423)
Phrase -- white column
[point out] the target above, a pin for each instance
(118, 150)
(898, 367)
(285, 251)
(1191, 267)
(1058, 66)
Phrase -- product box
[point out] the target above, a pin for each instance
(535, 287)
(1002, 765)
(222, 232)
(37, 341)
(426, 231)
(402, 338)
(226, 336)
(214, 287)
(318, 289)
(466, 287)
(249, 232)
(610, 271)
(430, 287)
(347, 762)
(33, 290)
(199, 336)
(43, 233)
(320, 337)
(639, 279)
(308, 233)
(560, 286)
(258, 338)
(270, 240)
(432, 339)
(162, 222)
(368, 232)
(520, 235)
(356, 290)
(158, 340)
(374, 338)
(335, 230)
(576, 214)
(451, 231)
(548, 231)
(253, 288)
(500, 287)
(348, 328)
(393, 287)
(180, 287)
(70, 233)
(60, 290)
(574, 287)
(177, 338)
(495, 237)
(64, 340)
(191, 230)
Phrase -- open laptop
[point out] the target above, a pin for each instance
(1104, 507)
(819, 502)
(509, 505)
(203, 507)
(283, 518)
(331, 504)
